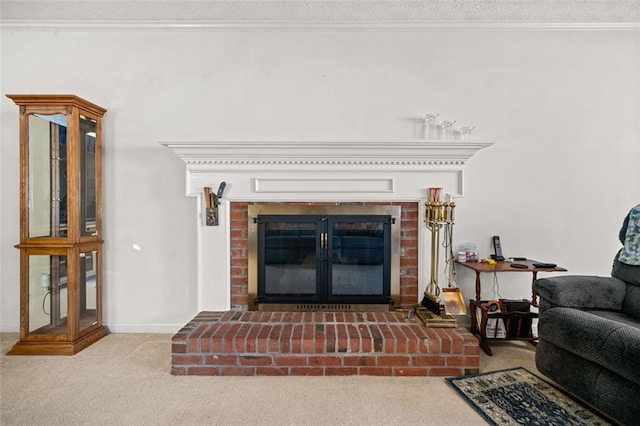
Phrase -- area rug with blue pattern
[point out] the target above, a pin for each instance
(518, 397)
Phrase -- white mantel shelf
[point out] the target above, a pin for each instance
(359, 154)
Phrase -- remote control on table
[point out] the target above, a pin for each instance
(519, 266)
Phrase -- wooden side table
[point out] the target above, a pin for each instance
(520, 318)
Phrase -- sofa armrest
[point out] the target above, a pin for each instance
(582, 292)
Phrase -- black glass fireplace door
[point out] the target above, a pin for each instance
(324, 259)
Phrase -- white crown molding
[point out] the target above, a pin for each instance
(317, 14)
(348, 155)
(26, 25)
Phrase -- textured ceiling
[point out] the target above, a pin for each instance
(183, 12)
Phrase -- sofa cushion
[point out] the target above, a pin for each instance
(582, 291)
(616, 316)
(627, 273)
(631, 303)
(600, 387)
(612, 344)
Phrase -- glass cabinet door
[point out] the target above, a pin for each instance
(88, 288)
(88, 176)
(47, 175)
(47, 294)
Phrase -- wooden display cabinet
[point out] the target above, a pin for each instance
(60, 224)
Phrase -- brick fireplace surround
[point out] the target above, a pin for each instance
(227, 339)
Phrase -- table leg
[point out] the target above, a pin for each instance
(478, 286)
(472, 311)
(484, 342)
(479, 329)
(534, 295)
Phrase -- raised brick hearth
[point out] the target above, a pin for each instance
(242, 343)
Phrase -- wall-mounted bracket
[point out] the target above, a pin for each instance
(211, 203)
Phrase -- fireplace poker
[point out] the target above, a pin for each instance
(451, 295)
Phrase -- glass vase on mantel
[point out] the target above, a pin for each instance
(432, 130)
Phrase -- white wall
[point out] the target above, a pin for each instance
(562, 106)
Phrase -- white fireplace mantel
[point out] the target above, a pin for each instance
(335, 166)
(310, 171)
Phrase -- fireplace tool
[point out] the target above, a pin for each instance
(451, 294)
(439, 214)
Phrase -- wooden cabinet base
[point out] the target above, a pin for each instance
(57, 348)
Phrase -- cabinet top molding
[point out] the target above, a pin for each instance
(360, 152)
(57, 100)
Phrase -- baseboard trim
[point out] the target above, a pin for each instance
(116, 328)
(144, 328)
(9, 327)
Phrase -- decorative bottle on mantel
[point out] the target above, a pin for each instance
(431, 128)
(465, 132)
(447, 129)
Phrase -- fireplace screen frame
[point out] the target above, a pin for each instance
(255, 210)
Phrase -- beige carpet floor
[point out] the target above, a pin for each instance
(124, 379)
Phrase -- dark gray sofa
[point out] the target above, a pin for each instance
(589, 338)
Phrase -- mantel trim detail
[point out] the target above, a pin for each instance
(344, 154)
(212, 162)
